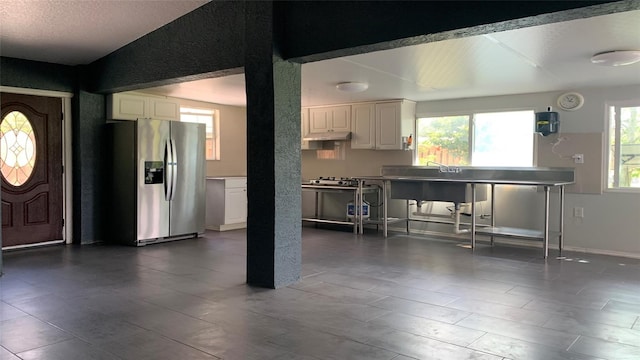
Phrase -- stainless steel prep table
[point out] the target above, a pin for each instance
(566, 178)
(358, 194)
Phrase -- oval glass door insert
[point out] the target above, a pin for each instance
(17, 148)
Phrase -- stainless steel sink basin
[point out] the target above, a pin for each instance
(455, 192)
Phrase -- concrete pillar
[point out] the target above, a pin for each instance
(273, 155)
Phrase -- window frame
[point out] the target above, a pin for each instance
(607, 145)
(215, 116)
(441, 115)
(471, 114)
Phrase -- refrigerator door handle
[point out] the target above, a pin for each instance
(168, 170)
(174, 170)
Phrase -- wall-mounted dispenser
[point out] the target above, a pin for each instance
(547, 122)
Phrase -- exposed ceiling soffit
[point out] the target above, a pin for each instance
(542, 19)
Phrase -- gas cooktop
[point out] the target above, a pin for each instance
(335, 181)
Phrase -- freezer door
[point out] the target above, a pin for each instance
(188, 202)
(153, 208)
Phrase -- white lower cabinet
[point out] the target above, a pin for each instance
(226, 203)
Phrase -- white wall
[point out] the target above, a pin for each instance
(611, 222)
(233, 140)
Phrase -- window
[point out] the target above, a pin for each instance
(443, 140)
(624, 146)
(481, 139)
(17, 148)
(209, 117)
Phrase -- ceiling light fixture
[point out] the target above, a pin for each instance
(616, 58)
(352, 87)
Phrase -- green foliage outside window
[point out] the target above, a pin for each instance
(630, 146)
(443, 140)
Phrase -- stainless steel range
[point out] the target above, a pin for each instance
(356, 187)
(335, 181)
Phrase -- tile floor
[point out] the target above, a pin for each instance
(361, 297)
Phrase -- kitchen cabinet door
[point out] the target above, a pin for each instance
(363, 117)
(341, 118)
(304, 127)
(126, 106)
(393, 121)
(162, 109)
(235, 200)
(326, 119)
(319, 120)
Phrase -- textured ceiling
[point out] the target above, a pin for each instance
(73, 32)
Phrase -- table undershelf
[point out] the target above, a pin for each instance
(515, 232)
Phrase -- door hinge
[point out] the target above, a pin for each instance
(63, 169)
(62, 116)
(63, 222)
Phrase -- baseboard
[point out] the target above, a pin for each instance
(226, 227)
(525, 243)
(602, 252)
(27, 246)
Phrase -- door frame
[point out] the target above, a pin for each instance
(67, 178)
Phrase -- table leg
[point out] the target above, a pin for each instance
(560, 238)
(473, 216)
(361, 206)
(317, 213)
(408, 215)
(384, 207)
(545, 242)
(356, 208)
(493, 209)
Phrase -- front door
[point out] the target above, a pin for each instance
(31, 168)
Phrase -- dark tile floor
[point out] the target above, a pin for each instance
(361, 297)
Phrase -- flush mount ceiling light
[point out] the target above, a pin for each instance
(352, 87)
(616, 58)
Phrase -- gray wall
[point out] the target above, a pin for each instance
(36, 75)
(206, 42)
(89, 167)
(317, 30)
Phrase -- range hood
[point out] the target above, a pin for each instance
(328, 136)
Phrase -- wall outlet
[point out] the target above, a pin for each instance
(578, 212)
(578, 158)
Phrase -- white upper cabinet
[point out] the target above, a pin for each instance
(394, 120)
(376, 125)
(163, 109)
(363, 118)
(306, 145)
(125, 106)
(324, 119)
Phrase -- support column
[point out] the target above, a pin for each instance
(89, 162)
(273, 155)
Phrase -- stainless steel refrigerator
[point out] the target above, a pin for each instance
(156, 182)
